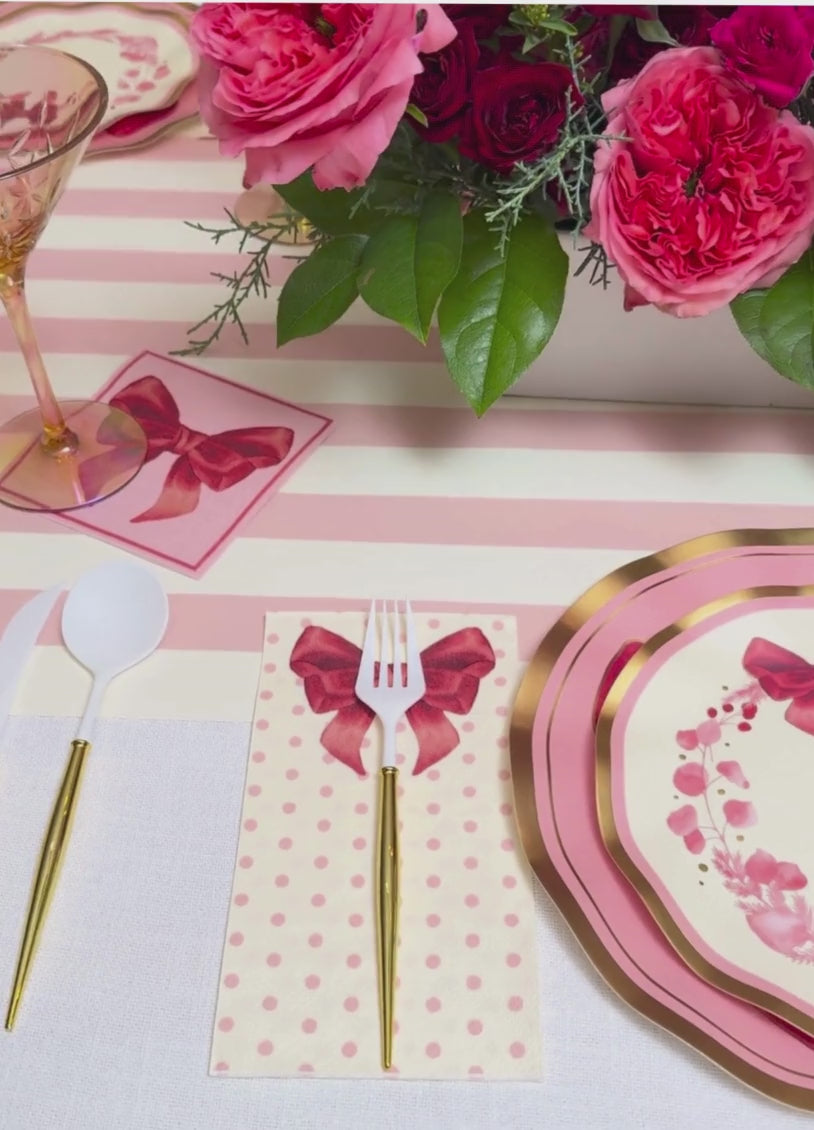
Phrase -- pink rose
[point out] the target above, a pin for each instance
(710, 194)
(300, 86)
(769, 49)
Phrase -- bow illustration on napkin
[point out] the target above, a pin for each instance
(453, 667)
(215, 461)
(783, 675)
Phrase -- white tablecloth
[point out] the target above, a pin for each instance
(114, 1032)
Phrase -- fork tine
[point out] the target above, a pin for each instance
(415, 670)
(398, 649)
(385, 658)
(368, 660)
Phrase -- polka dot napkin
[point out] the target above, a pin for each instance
(298, 991)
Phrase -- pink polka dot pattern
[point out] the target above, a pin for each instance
(226, 1024)
(303, 901)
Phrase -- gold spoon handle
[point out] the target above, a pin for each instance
(53, 850)
(387, 906)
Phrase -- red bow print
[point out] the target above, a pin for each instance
(453, 668)
(218, 461)
(782, 675)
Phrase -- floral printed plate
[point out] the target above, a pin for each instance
(555, 787)
(141, 50)
(705, 771)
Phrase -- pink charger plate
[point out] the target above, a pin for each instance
(553, 769)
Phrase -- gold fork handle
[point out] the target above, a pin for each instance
(387, 906)
(53, 850)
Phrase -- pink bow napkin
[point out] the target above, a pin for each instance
(298, 991)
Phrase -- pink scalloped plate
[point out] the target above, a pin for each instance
(554, 777)
(140, 130)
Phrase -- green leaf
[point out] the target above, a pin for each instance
(556, 24)
(654, 31)
(329, 211)
(409, 261)
(320, 289)
(499, 312)
(417, 113)
(778, 322)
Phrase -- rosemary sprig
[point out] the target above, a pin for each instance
(596, 258)
(256, 239)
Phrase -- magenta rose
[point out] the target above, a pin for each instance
(517, 112)
(711, 192)
(300, 86)
(769, 49)
(441, 91)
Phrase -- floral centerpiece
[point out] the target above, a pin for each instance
(445, 162)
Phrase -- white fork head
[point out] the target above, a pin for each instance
(391, 677)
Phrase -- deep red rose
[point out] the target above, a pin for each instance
(639, 11)
(517, 112)
(442, 90)
(484, 19)
(769, 49)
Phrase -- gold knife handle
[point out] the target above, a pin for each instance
(45, 880)
(387, 906)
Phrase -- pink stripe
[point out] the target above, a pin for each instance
(146, 266)
(170, 204)
(531, 523)
(519, 523)
(347, 343)
(235, 623)
(592, 430)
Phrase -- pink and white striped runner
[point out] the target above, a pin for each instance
(517, 512)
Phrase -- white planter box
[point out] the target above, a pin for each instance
(599, 352)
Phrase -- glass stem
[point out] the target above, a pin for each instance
(14, 300)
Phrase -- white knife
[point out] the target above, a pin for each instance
(17, 642)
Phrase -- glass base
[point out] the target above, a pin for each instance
(100, 454)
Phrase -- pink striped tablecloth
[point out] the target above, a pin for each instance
(519, 511)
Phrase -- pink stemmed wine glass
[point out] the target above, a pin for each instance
(50, 105)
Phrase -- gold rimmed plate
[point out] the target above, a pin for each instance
(554, 781)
